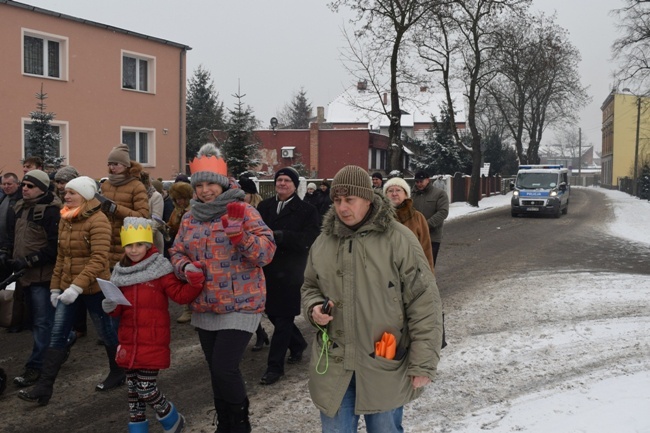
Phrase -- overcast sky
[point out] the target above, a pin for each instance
(273, 48)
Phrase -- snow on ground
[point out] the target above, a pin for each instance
(574, 357)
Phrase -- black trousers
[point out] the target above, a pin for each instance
(435, 246)
(286, 336)
(224, 351)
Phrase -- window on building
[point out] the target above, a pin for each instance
(141, 144)
(58, 127)
(377, 159)
(44, 54)
(137, 72)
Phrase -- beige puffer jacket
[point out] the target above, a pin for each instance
(84, 244)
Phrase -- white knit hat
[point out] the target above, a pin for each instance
(311, 185)
(398, 181)
(84, 186)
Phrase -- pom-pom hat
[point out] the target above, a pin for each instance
(135, 229)
(352, 180)
(120, 155)
(209, 166)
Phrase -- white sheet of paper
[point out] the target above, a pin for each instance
(112, 292)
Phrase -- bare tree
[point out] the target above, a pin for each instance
(380, 49)
(471, 24)
(632, 49)
(538, 83)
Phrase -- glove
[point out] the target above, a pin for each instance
(4, 258)
(54, 297)
(195, 278)
(233, 221)
(108, 207)
(19, 264)
(70, 294)
(108, 305)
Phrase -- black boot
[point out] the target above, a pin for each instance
(261, 339)
(239, 417)
(223, 416)
(116, 376)
(42, 391)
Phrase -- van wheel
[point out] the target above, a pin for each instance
(565, 210)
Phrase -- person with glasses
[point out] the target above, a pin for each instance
(31, 244)
(433, 203)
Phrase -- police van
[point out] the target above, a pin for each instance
(541, 189)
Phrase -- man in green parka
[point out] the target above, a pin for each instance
(376, 277)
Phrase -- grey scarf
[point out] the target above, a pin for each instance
(151, 268)
(217, 207)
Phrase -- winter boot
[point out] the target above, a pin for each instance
(173, 422)
(186, 316)
(261, 338)
(223, 416)
(42, 391)
(139, 427)
(28, 378)
(72, 339)
(239, 417)
(116, 376)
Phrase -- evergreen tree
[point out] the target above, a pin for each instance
(42, 140)
(501, 156)
(204, 111)
(241, 148)
(438, 152)
(297, 113)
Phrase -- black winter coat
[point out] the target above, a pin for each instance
(294, 229)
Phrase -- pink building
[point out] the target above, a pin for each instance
(106, 86)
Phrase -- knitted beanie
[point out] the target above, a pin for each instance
(120, 155)
(66, 174)
(398, 181)
(84, 186)
(352, 180)
(311, 185)
(158, 185)
(206, 165)
(38, 178)
(288, 171)
(248, 185)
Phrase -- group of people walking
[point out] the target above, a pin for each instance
(362, 269)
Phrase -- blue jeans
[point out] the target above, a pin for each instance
(42, 312)
(65, 316)
(345, 420)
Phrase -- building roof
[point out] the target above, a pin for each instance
(93, 23)
(355, 105)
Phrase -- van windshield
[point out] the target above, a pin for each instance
(536, 180)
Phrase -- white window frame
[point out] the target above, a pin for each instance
(46, 37)
(151, 71)
(151, 144)
(376, 163)
(64, 143)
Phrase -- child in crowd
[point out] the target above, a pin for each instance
(147, 280)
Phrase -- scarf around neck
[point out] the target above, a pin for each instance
(120, 179)
(151, 268)
(217, 207)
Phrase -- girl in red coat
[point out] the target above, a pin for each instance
(147, 279)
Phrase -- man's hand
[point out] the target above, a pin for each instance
(318, 316)
(419, 381)
(233, 221)
(19, 264)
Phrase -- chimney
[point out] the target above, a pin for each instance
(385, 98)
(314, 145)
(362, 84)
(320, 114)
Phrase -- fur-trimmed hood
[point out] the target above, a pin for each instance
(382, 214)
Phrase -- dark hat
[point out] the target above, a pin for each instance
(247, 185)
(420, 175)
(120, 155)
(288, 171)
(38, 178)
(352, 180)
(325, 182)
(378, 175)
(66, 174)
(182, 178)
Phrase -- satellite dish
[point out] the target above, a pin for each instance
(274, 123)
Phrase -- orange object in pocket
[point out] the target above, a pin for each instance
(386, 347)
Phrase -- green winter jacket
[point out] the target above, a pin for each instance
(380, 281)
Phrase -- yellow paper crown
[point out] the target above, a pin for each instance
(131, 234)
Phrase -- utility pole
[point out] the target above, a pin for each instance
(636, 144)
(580, 154)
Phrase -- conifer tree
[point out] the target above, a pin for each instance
(42, 140)
(297, 113)
(204, 111)
(241, 147)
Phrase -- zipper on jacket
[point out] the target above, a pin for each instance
(350, 247)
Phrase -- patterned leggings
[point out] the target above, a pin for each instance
(142, 391)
